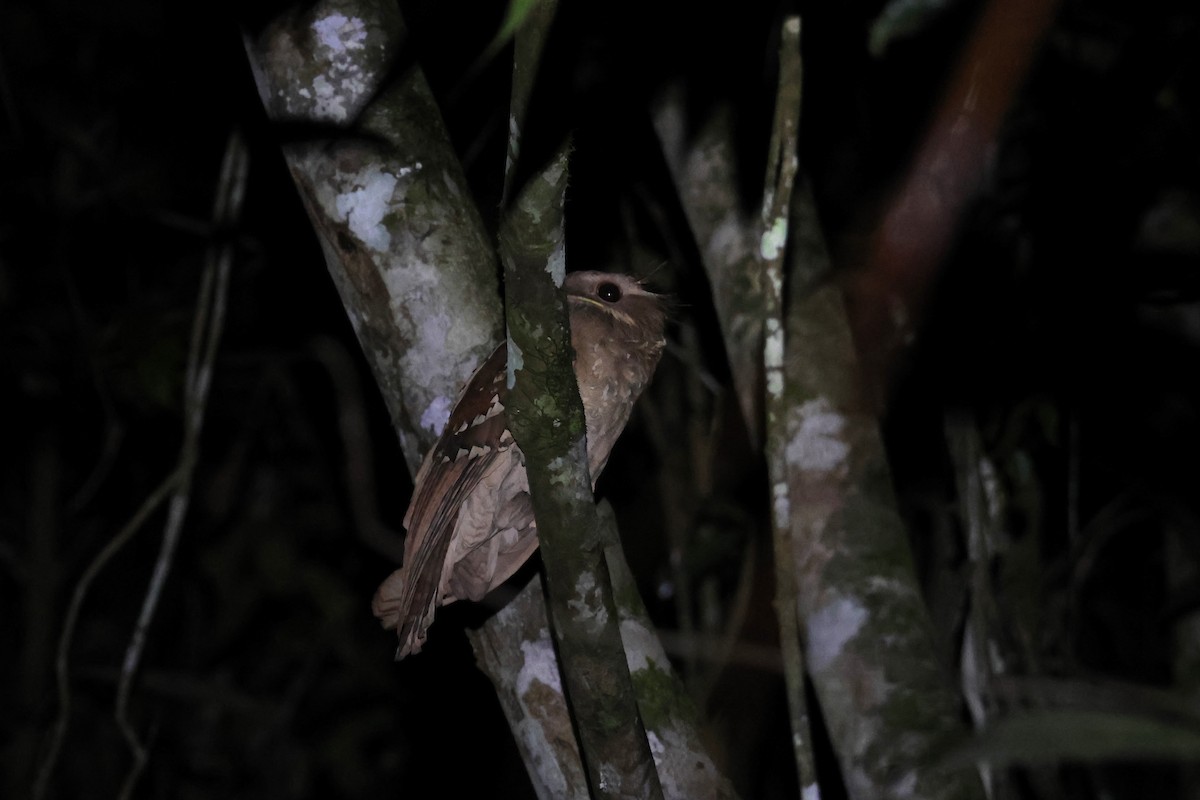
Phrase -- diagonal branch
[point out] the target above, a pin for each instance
(376, 171)
(546, 417)
(704, 170)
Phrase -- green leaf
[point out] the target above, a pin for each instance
(518, 11)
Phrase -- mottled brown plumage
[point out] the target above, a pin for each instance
(470, 523)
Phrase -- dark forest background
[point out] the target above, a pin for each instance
(1063, 328)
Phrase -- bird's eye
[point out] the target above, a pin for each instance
(609, 292)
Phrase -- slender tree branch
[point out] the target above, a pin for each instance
(529, 678)
(61, 663)
(782, 166)
(686, 770)
(206, 339)
(531, 40)
(546, 417)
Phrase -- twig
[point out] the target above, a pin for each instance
(527, 56)
(58, 732)
(983, 654)
(206, 337)
(782, 166)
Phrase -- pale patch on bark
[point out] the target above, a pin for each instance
(514, 144)
(727, 242)
(556, 265)
(773, 239)
(817, 444)
(586, 603)
(540, 664)
(642, 649)
(829, 628)
(773, 357)
(781, 504)
(686, 772)
(516, 361)
(340, 33)
(539, 687)
(364, 207)
(610, 775)
(343, 84)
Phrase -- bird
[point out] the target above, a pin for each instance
(470, 523)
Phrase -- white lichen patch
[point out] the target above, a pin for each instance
(514, 145)
(657, 748)
(554, 171)
(775, 383)
(773, 357)
(403, 171)
(436, 415)
(556, 265)
(586, 603)
(329, 104)
(610, 776)
(562, 468)
(684, 768)
(780, 504)
(817, 444)
(770, 246)
(727, 244)
(773, 347)
(516, 361)
(540, 664)
(339, 33)
(775, 276)
(642, 648)
(559, 467)
(341, 86)
(830, 628)
(364, 207)
(445, 349)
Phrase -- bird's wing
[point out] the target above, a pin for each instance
(475, 436)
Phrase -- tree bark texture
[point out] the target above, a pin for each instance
(417, 274)
(887, 701)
